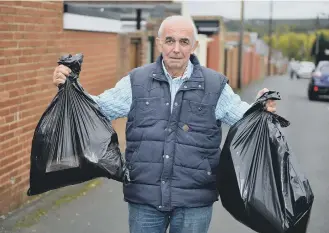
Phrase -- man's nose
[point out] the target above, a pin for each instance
(176, 47)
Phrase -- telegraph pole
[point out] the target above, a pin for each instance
(317, 27)
(241, 44)
(270, 39)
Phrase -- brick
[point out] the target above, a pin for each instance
(2, 121)
(31, 43)
(55, 6)
(17, 92)
(8, 159)
(4, 95)
(8, 44)
(33, 51)
(10, 52)
(27, 74)
(31, 104)
(26, 19)
(11, 150)
(5, 185)
(4, 178)
(8, 61)
(26, 136)
(50, 20)
(8, 27)
(6, 136)
(53, 14)
(13, 109)
(9, 102)
(25, 164)
(9, 167)
(26, 123)
(34, 58)
(9, 3)
(31, 4)
(4, 112)
(7, 10)
(13, 126)
(26, 174)
(24, 68)
(9, 119)
(6, 35)
(15, 172)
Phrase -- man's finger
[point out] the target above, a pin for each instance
(270, 103)
(264, 90)
(60, 81)
(60, 76)
(270, 109)
(271, 106)
(261, 92)
(64, 70)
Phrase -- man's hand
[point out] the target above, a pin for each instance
(270, 104)
(60, 74)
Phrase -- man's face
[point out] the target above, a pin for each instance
(176, 44)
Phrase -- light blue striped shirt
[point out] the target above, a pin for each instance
(115, 102)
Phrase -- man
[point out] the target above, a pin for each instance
(174, 108)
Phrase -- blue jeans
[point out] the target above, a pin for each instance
(146, 219)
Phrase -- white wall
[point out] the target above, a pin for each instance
(130, 26)
(201, 51)
(90, 23)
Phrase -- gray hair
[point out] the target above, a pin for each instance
(178, 17)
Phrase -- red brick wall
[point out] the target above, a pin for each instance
(246, 67)
(213, 55)
(256, 68)
(232, 67)
(31, 41)
(252, 67)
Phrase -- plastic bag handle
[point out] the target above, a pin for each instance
(73, 62)
(261, 104)
(270, 95)
(273, 95)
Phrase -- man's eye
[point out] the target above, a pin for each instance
(169, 41)
(184, 42)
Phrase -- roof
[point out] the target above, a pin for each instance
(76, 9)
(124, 10)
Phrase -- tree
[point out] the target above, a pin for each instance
(295, 45)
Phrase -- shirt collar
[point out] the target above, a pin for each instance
(186, 75)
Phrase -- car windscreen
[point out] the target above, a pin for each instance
(325, 69)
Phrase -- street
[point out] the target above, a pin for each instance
(102, 209)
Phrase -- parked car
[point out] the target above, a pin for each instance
(304, 70)
(319, 83)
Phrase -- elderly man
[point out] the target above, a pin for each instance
(174, 108)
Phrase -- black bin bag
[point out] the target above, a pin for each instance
(258, 178)
(73, 141)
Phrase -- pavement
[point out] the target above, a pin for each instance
(98, 206)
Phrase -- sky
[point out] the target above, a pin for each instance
(259, 9)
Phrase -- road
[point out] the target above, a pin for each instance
(102, 209)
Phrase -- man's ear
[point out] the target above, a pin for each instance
(159, 45)
(196, 44)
